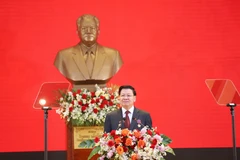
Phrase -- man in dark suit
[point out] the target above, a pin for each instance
(88, 63)
(128, 116)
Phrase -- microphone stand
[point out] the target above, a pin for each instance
(139, 122)
(232, 105)
(120, 123)
(45, 109)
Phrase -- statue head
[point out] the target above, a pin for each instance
(88, 29)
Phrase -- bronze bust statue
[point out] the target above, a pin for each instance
(88, 63)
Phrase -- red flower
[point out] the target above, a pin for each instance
(149, 132)
(74, 94)
(112, 97)
(102, 97)
(124, 140)
(154, 142)
(110, 143)
(110, 103)
(72, 102)
(80, 103)
(101, 106)
(116, 136)
(152, 146)
(78, 91)
(132, 147)
(97, 100)
(105, 135)
(84, 96)
(113, 133)
(95, 110)
(93, 94)
(92, 101)
(125, 149)
(70, 109)
(96, 140)
(84, 108)
(157, 132)
(105, 102)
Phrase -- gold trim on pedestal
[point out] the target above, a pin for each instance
(85, 133)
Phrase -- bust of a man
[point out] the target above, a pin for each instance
(88, 63)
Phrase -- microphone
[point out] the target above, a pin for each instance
(120, 123)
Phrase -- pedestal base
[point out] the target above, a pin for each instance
(82, 154)
(73, 152)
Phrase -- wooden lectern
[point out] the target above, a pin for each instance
(72, 152)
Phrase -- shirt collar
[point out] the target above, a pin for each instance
(130, 110)
(86, 49)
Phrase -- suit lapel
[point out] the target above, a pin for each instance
(134, 118)
(118, 119)
(79, 61)
(99, 61)
(119, 116)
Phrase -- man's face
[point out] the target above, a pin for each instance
(127, 98)
(88, 31)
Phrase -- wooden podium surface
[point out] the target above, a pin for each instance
(76, 154)
(82, 154)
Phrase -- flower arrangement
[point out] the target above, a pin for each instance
(123, 144)
(85, 108)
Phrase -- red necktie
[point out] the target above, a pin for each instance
(127, 120)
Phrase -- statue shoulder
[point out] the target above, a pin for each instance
(108, 49)
(68, 50)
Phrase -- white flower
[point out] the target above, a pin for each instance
(158, 137)
(106, 96)
(58, 111)
(66, 113)
(84, 101)
(143, 130)
(90, 109)
(109, 154)
(119, 131)
(78, 97)
(99, 92)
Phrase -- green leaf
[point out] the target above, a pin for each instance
(77, 122)
(87, 144)
(94, 152)
(170, 150)
(166, 140)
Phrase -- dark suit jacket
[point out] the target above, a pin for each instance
(115, 118)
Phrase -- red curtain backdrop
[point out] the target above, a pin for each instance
(169, 48)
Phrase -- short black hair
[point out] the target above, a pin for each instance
(127, 87)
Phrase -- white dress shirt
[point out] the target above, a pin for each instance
(130, 115)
